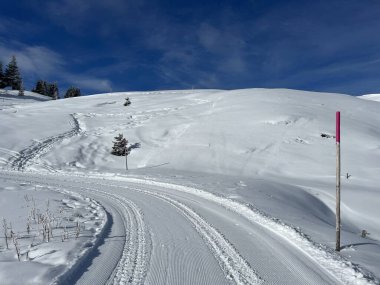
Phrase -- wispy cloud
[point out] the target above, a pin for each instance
(89, 83)
(39, 62)
(33, 60)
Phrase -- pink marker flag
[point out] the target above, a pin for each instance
(338, 127)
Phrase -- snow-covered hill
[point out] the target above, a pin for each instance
(372, 97)
(271, 148)
(10, 97)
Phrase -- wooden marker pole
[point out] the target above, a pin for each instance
(337, 227)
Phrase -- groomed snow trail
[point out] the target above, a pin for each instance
(335, 265)
(231, 262)
(251, 253)
(134, 261)
(133, 264)
(332, 267)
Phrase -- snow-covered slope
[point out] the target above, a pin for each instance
(372, 97)
(273, 149)
(9, 98)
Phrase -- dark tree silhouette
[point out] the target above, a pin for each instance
(72, 92)
(2, 79)
(12, 75)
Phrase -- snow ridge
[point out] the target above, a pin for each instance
(87, 251)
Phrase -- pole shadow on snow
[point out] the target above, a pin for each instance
(358, 244)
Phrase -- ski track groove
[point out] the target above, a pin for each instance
(30, 154)
(134, 262)
(234, 266)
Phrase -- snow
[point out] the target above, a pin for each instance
(23, 204)
(8, 98)
(227, 186)
(372, 97)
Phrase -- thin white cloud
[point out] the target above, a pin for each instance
(33, 60)
(40, 62)
(88, 82)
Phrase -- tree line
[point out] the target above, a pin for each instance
(11, 77)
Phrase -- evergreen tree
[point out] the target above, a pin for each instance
(53, 91)
(2, 83)
(21, 89)
(12, 74)
(72, 92)
(48, 89)
(120, 146)
(40, 87)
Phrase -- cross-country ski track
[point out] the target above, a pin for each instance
(27, 156)
(153, 221)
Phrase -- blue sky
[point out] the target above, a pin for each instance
(126, 45)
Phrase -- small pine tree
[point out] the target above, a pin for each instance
(2, 83)
(72, 92)
(40, 87)
(120, 146)
(21, 89)
(48, 89)
(53, 90)
(12, 75)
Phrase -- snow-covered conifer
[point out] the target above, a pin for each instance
(40, 87)
(12, 75)
(120, 146)
(72, 92)
(53, 91)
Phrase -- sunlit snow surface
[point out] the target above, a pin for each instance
(246, 177)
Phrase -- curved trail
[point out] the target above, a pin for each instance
(133, 262)
(247, 254)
